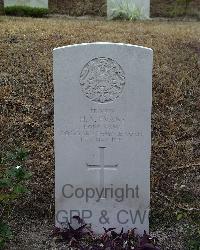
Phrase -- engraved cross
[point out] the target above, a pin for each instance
(101, 167)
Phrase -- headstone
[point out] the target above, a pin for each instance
(134, 6)
(103, 95)
(30, 3)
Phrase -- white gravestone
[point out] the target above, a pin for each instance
(30, 3)
(143, 6)
(103, 95)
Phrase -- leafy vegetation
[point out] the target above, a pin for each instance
(184, 4)
(125, 10)
(12, 186)
(192, 238)
(175, 8)
(25, 11)
(84, 238)
(5, 234)
(181, 8)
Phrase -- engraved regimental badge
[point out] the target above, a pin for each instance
(102, 80)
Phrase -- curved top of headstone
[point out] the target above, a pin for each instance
(101, 75)
(103, 44)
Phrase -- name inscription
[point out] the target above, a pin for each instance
(101, 125)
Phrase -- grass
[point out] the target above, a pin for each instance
(26, 106)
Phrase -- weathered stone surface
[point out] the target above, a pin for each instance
(31, 3)
(103, 95)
